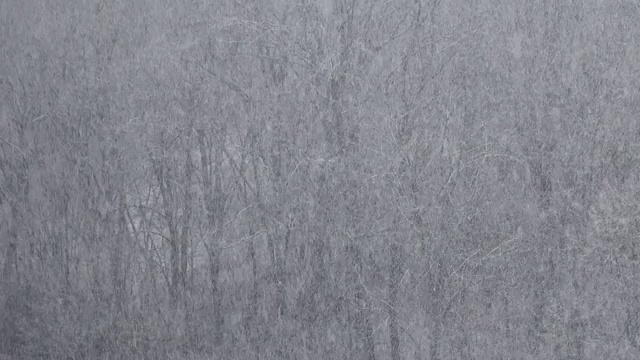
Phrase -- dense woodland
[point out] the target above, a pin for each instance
(319, 179)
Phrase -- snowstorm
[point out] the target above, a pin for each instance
(319, 179)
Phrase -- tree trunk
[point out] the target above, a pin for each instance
(362, 322)
(186, 223)
(214, 204)
(10, 262)
(184, 251)
(118, 278)
(434, 346)
(214, 271)
(165, 181)
(8, 336)
(394, 279)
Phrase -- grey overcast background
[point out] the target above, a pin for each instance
(330, 179)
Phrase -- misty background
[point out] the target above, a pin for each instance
(346, 179)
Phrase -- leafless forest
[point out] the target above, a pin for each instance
(319, 179)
